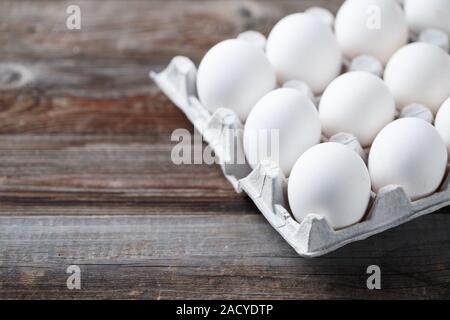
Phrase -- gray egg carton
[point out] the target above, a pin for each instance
(266, 184)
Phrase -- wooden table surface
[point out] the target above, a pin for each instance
(86, 177)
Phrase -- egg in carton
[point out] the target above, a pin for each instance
(266, 185)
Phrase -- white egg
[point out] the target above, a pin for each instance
(442, 123)
(330, 180)
(373, 27)
(281, 126)
(422, 14)
(235, 75)
(409, 153)
(419, 73)
(358, 103)
(302, 47)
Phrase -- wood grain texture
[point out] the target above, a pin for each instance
(88, 171)
(95, 80)
(205, 256)
(86, 176)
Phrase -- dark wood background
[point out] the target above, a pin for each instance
(86, 176)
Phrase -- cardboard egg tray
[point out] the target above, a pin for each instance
(266, 184)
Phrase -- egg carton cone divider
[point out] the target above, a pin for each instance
(266, 184)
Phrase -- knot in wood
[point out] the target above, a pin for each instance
(14, 76)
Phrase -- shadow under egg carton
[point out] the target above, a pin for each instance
(266, 184)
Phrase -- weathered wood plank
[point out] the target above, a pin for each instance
(70, 101)
(95, 80)
(154, 29)
(223, 256)
(117, 174)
